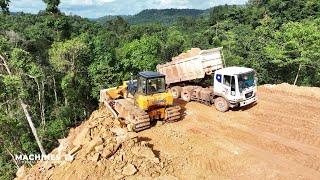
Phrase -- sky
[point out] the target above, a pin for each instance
(99, 8)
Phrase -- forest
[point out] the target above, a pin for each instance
(163, 16)
(52, 66)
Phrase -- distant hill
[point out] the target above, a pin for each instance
(164, 16)
(104, 19)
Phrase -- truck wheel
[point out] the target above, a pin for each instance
(176, 91)
(186, 95)
(221, 104)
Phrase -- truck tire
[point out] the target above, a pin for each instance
(186, 95)
(176, 91)
(221, 104)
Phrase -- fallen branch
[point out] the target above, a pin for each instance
(13, 158)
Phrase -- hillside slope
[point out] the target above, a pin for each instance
(164, 16)
(277, 138)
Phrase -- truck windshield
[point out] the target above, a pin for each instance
(156, 85)
(246, 80)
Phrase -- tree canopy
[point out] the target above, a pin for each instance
(52, 6)
(4, 4)
(59, 63)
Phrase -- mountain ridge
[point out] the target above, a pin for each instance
(164, 16)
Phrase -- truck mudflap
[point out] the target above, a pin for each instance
(248, 101)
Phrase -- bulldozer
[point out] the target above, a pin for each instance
(138, 103)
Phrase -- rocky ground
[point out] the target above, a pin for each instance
(101, 149)
(278, 138)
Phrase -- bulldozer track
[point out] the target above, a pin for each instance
(136, 119)
(173, 114)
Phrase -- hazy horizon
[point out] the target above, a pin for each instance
(100, 8)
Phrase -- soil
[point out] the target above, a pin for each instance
(277, 138)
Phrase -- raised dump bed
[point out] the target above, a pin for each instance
(188, 75)
(194, 64)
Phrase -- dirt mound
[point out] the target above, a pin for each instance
(100, 149)
(313, 92)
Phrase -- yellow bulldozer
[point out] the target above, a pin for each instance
(138, 103)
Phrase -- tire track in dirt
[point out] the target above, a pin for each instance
(249, 154)
(289, 152)
(214, 166)
(282, 118)
(265, 141)
(279, 138)
(310, 156)
(288, 132)
(272, 149)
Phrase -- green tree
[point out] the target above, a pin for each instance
(4, 4)
(118, 25)
(297, 44)
(104, 70)
(69, 55)
(103, 75)
(174, 44)
(52, 6)
(17, 65)
(71, 59)
(140, 55)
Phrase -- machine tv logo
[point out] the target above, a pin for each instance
(40, 157)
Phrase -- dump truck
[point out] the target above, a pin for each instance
(138, 103)
(229, 87)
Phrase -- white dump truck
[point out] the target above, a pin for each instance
(228, 88)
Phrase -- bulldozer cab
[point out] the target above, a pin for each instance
(150, 83)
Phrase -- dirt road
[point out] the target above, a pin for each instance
(277, 138)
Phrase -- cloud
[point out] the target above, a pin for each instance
(98, 8)
(230, 2)
(100, 2)
(174, 3)
(76, 2)
(26, 6)
(85, 2)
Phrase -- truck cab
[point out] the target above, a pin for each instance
(237, 85)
